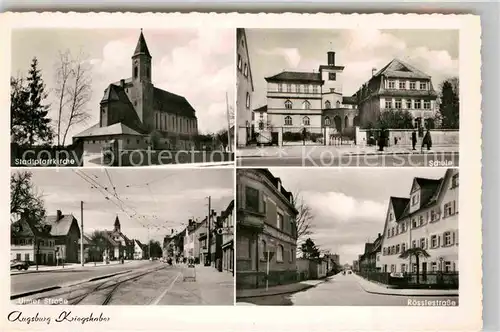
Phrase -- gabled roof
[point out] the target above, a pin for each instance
(142, 47)
(60, 227)
(115, 129)
(261, 109)
(397, 68)
(170, 102)
(293, 76)
(141, 245)
(25, 228)
(399, 204)
(428, 188)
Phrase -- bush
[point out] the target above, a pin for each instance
(292, 136)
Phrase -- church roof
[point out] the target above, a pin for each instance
(295, 77)
(171, 103)
(142, 47)
(115, 129)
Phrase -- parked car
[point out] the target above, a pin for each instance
(20, 265)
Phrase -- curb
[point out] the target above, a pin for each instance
(306, 287)
(407, 295)
(360, 154)
(43, 290)
(61, 269)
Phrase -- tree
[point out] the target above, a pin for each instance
(154, 138)
(30, 123)
(303, 226)
(63, 73)
(98, 243)
(449, 107)
(24, 200)
(222, 137)
(78, 92)
(417, 253)
(309, 249)
(395, 119)
(153, 249)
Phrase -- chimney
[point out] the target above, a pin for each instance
(379, 235)
(331, 58)
(171, 231)
(374, 70)
(59, 215)
(122, 82)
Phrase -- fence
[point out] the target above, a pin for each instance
(433, 280)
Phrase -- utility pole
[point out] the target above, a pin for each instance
(81, 233)
(149, 242)
(209, 259)
(228, 126)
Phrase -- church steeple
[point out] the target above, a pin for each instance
(117, 225)
(142, 47)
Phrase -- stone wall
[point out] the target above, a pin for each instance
(440, 137)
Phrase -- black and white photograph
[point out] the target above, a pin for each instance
(367, 97)
(131, 97)
(122, 236)
(347, 237)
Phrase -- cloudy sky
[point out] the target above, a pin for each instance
(272, 51)
(173, 197)
(349, 205)
(197, 64)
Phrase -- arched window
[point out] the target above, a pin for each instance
(136, 72)
(327, 121)
(248, 99)
(306, 121)
(279, 253)
(328, 105)
(306, 105)
(346, 122)
(338, 104)
(288, 105)
(288, 120)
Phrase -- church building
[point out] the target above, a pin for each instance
(121, 245)
(134, 114)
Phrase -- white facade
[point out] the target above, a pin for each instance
(138, 252)
(433, 227)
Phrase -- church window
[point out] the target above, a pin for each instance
(306, 121)
(288, 105)
(306, 105)
(327, 121)
(328, 104)
(136, 72)
(288, 120)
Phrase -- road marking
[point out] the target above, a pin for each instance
(162, 295)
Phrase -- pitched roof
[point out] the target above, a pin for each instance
(170, 102)
(142, 47)
(295, 77)
(428, 188)
(399, 204)
(398, 68)
(115, 129)
(60, 227)
(261, 109)
(25, 228)
(141, 245)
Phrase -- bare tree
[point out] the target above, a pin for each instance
(74, 91)
(303, 221)
(24, 198)
(63, 74)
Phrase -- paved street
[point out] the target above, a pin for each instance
(441, 159)
(339, 290)
(142, 283)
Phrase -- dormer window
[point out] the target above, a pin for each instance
(414, 200)
(332, 76)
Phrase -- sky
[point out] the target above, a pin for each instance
(434, 52)
(350, 205)
(196, 64)
(163, 199)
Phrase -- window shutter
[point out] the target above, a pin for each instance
(454, 207)
(439, 241)
(452, 238)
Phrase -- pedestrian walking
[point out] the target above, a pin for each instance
(381, 140)
(427, 141)
(413, 139)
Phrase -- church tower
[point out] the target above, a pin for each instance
(117, 225)
(142, 92)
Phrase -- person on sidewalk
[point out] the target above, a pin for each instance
(413, 139)
(427, 141)
(304, 133)
(381, 140)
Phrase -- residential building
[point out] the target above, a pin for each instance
(245, 89)
(66, 233)
(311, 100)
(266, 229)
(133, 111)
(428, 219)
(227, 218)
(139, 250)
(189, 240)
(355, 266)
(120, 245)
(368, 260)
(32, 242)
(397, 86)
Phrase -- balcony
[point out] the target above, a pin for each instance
(250, 219)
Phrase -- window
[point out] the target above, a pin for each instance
(332, 76)
(239, 62)
(403, 227)
(327, 121)
(427, 104)
(397, 104)
(393, 268)
(384, 251)
(245, 71)
(288, 88)
(403, 247)
(408, 103)
(420, 220)
(280, 87)
(392, 85)
(248, 99)
(392, 231)
(385, 268)
(279, 253)
(403, 268)
(402, 85)
(454, 181)
(412, 85)
(413, 223)
(306, 88)
(136, 72)
(328, 105)
(447, 238)
(422, 243)
(292, 255)
(447, 266)
(263, 249)
(388, 103)
(391, 216)
(288, 120)
(423, 86)
(279, 221)
(252, 199)
(18, 257)
(306, 121)
(306, 105)
(417, 104)
(414, 267)
(338, 104)
(449, 209)
(288, 105)
(397, 249)
(414, 244)
(393, 249)
(315, 89)
(27, 257)
(434, 241)
(414, 199)
(297, 88)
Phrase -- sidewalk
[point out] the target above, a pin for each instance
(67, 266)
(339, 150)
(215, 287)
(376, 288)
(278, 290)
